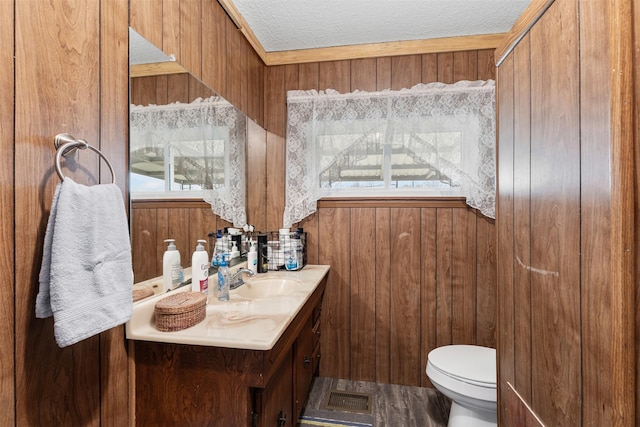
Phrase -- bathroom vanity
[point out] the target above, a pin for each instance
(249, 363)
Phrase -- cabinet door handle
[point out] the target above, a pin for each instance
(282, 419)
(307, 361)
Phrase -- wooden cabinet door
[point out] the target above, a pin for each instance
(303, 366)
(275, 409)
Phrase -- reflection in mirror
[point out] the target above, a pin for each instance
(185, 140)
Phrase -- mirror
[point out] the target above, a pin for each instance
(186, 141)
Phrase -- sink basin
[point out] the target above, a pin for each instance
(269, 287)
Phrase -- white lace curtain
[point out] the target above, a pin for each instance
(406, 118)
(155, 126)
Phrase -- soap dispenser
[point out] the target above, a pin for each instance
(200, 269)
(171, 268)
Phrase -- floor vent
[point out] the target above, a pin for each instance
(351, 401)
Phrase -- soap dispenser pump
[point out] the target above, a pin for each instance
(171, 268)
(200, 269)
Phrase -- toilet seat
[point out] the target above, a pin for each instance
(470, 364)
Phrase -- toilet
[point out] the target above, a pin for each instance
(467, 375)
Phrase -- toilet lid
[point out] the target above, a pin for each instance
(468, 363)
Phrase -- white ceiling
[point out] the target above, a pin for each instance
(282, 25)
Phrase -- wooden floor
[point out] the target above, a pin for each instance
(392, 405)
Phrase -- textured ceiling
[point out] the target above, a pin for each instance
(282, 25)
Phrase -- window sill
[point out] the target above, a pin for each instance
(394, 202)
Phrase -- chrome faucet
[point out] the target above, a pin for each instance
(235, 281)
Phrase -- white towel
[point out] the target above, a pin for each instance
(86, 279)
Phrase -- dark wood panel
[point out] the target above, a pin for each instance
(7, 215)
(171, 40)
(363, 74)
(383, 294)
(256, 175)
(383, 73)
(275, 101)
(404, 322)
(308, 76)
(445, 67)
(486, 283)
(465, 65)
(335, 75)
(504, 229)
(486, 65)
(428, 289)
(444, 270)
(363, 294)
(214, 46)
(463, 278)
(517, 412)
(521, 218)
(406, 71)
(429, 68)
(275, 179)
(334, 227)
(146, 19)
(234, 65)
(555, 217)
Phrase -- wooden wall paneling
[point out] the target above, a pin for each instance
(486, 65)
(143, 90)
(334, 227)
(275, 181)
(429, 68)
(256, 176)
(275, 100)
(7, 215)
(190, 25)
(146, 18)
(383, 294)
(406, 71)
(405, 305)
(486, 307)
(201, 221)
(521, 217)
(57, 89)
(465, 65)
(234, 65)
(114, 125)
(504, 229)
(383, 73)
(363, 294)
(445, 67)
(636, 156)
(214, 47)
(444, 271)
(595, 215)
(171, 28)
(555, 220)
(177, 88)
(363, 74)
(335, 75)
(309, 76)
(144, 244)
(428, 302)
(310, 226)
(255, 91)
(463, 278)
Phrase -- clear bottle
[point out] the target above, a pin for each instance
(200, 269)
(218, 250)
(171, 268)
(223, 279)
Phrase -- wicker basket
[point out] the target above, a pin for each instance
(180, 311)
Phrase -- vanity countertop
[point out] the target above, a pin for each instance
(243, 323)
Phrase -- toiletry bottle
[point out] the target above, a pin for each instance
(218, 250)
(252, 258)
(235, 253)
(263, 259)
(200, 269)
(171, 268)
(223, 279)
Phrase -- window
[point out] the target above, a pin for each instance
(434, 139)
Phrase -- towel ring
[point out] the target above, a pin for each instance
(66, 145)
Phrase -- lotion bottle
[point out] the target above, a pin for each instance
(171, 268)
(200, 269)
